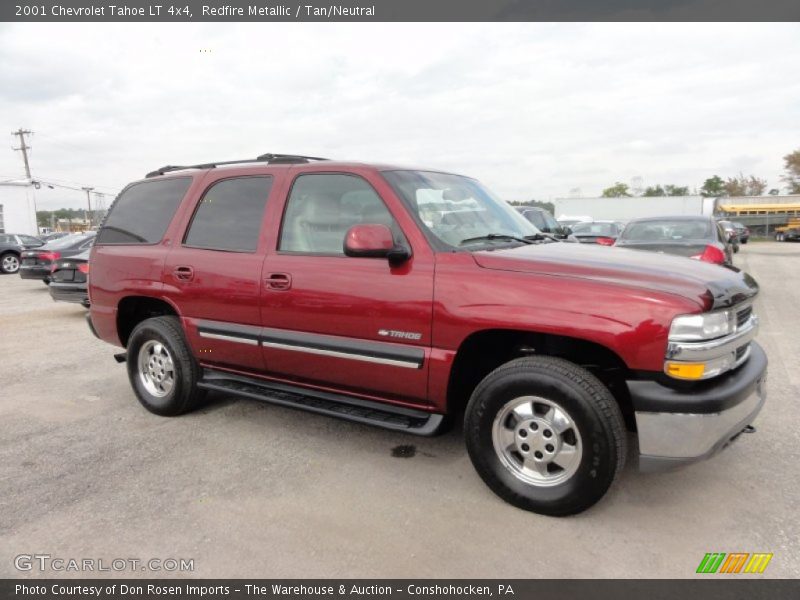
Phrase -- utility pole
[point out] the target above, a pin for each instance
(23, 147)
(88, 191)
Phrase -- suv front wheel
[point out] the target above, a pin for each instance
(161, 368)
(545, 435)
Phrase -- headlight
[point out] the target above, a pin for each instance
(705, 326)
(705, 345)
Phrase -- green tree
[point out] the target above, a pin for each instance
(675, 190)
(652, 191)
(713, 187)
(745, 186)
(618, 190)
(667, 190)
(792, 177)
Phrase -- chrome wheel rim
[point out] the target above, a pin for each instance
(10, 264)
(156, 368)
(537, 441)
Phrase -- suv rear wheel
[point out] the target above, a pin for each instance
(9, 263)
(545, 435)
(161, 368)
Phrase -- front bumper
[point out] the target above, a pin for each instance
(677, 427)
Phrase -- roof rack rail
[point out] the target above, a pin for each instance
(269, 158)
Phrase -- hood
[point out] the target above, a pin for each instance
(712, 286)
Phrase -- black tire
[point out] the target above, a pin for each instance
(744, 241)
(588, 403)
(7, 264)
(184, 394)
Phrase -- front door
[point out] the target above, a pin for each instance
(350, 324)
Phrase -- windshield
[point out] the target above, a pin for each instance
(665, 230)
(68, 240)
(601, 229)
(458, 210)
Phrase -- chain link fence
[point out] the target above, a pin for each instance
(765, 227)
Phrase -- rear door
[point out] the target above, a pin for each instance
(358, 325)
(213, 272)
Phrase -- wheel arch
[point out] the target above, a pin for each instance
(483, 351)
(132, 310)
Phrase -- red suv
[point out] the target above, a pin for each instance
(407, 298)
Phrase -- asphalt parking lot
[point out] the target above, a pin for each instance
(252, 490)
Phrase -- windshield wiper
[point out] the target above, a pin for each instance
(538, 237)
(497, 236)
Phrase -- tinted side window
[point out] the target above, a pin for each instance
(536, 218)
(322, 207)
(142, 213)
(230, 214)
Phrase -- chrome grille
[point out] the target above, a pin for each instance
(743, 315)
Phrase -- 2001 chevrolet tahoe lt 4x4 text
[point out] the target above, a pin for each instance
(401, 297)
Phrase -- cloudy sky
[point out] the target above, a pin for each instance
(533, 110)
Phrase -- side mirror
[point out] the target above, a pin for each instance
(374, 241)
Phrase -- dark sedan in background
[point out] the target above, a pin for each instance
(701, 238)
(12, 245)
(38, 263)
(604, 233)
(56, 235)
(543, 221)
(731, 233)
(788, 235)
(742, 232)
(69, 279)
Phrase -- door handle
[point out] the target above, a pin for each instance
(278, 281)
(183, 273)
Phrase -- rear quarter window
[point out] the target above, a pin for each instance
(143, 211)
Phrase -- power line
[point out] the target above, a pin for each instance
(53, 183)
(67, 183)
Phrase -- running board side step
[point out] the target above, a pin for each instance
(396, 418)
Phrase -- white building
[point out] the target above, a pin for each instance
(624, 209)
(17, 207)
